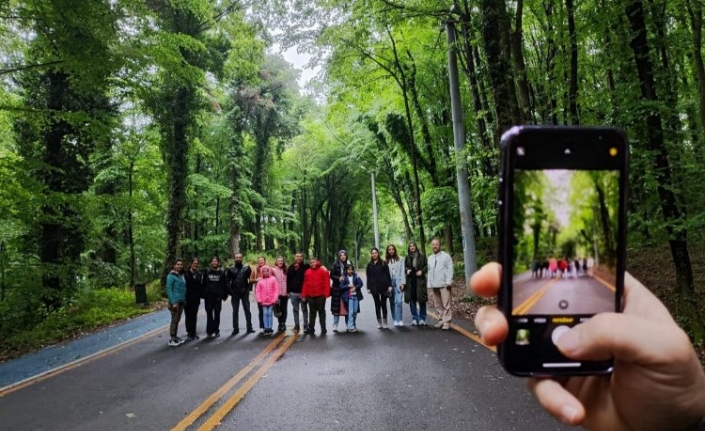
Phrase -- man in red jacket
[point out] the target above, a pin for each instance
(316, 289)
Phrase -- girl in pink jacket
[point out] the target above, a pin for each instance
(267, 294)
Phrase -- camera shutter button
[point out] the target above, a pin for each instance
(558, 332)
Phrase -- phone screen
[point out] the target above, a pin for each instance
(564, 243)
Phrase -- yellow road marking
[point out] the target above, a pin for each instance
(609, 286)
(77, 363)
(230, 404)
(208, 403)
(525, 306)
(467, 333)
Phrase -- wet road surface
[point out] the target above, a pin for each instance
(582, 295)
(410, 378)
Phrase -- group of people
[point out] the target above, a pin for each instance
(562, 268)
(307, 286)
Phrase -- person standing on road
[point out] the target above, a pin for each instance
(379, 285)
(294, 284)
(416, 291)
(316, 289)
(194, 280)
(176, 293)
(352, 294)
(216, 291)
(398, 275)
(238, 278)
(279, 273)
(267, 293)
(337, 272)
(440, 278)
(255, 277)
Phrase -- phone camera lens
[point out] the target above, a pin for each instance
(521, 151)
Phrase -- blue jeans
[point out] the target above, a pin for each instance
(268, 314)
(421, 314)
(353, 304)
(398, 302)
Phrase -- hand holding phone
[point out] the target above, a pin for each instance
(562, 246)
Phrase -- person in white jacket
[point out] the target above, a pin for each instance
(440, 278)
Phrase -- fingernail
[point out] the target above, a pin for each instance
(568, 414)
(569, 342)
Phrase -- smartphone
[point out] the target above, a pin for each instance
(562, 241)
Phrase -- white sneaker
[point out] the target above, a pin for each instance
(413, 322)
(422, 323)
(396, 323)
(401, 323)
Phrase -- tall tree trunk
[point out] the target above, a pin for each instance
(517, 49)
(573, 81)
(494, 15)
(178, 163)
(696, 21)
(688, 302)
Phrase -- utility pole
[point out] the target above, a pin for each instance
(468, 233)
(374, 209)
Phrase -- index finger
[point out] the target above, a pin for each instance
(485, 282)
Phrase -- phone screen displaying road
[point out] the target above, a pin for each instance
(565, 242)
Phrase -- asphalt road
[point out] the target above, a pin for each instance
(582, 295)
(408, 378)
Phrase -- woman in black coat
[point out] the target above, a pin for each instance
(379, 285)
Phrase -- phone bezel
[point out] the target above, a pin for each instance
(586, 144)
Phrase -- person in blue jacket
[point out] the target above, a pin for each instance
(351, 288)
(176, 294)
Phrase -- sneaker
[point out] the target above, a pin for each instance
(174, 342)
(296, 328)
(384, 324)
(209, 336)
(192, 337)
(401, 323)
(352, 330)
(217, 334)
(179, 340)
(309, 331)
(305, 327)
(445, 327)
(250, 331)
(413, 322)
(396, 323)
(422, 322)
(324, 331)
(335, 329)
(438, 325)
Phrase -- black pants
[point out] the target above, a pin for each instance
(191, 319)
(213, 306)
(380, 304)
(236, 299)
(283, 304)
(317, 306)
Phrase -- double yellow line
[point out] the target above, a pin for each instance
(264, 360)
(525, 306)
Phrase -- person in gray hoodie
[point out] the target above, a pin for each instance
(440, 278)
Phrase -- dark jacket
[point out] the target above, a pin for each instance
(238, 280)
(337, 270)
(295, 278)
(378, 278)
(415, 283)
(194, 286)
(214, 283)
(345, 286)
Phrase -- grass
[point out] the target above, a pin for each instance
(88, 312)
